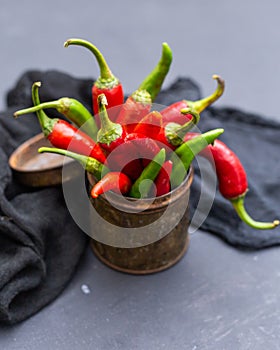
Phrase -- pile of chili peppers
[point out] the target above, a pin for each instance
(134, 150)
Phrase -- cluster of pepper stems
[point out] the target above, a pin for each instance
(133, 150)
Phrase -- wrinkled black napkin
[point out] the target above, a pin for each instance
(40, 245)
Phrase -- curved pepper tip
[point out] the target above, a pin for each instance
(43, 149)
(102, 100)
(219, 79)
(69, 42)
(37, 83)
(166, 49)
(93, 194)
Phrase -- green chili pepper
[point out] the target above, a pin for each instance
(139, 103)
(141, 187)
(90, 164)
(184, 154)
(153, 82)
(72, 109)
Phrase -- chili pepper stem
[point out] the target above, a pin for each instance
(44, 105)
(88, 163)
(142, 96)
(200, 105)
(80, 158)
(105, 72)
(175, 133)
(72, 109)
(195, 116)
(238, 204)
(46, 123)
(109, 131)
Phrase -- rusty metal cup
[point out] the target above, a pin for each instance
(163, 250)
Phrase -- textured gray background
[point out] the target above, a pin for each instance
(217, 297)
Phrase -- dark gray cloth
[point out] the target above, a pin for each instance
(40, 245)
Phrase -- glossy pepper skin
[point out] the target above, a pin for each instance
(173, 113)
(146, 148)
(133, 155)
(139, 103)
(232, 178)
(169, 134)
(72, 109)
(162, 181)
(134, 109)
(150, 125)
(106, 83)
(62, 134)
(114, 181)
(90, 164)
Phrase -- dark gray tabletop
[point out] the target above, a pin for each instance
(216, 297)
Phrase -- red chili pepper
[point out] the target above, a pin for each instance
(133, 155)
(146, 147)
(117, 182)
(125, 159)
(162, 181)
(139, 103)
(173, 113)
(62, 134)
(232, 179)
(150, 125)
(107, 83)
(134, 109)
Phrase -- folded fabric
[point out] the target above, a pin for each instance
(41, 245)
